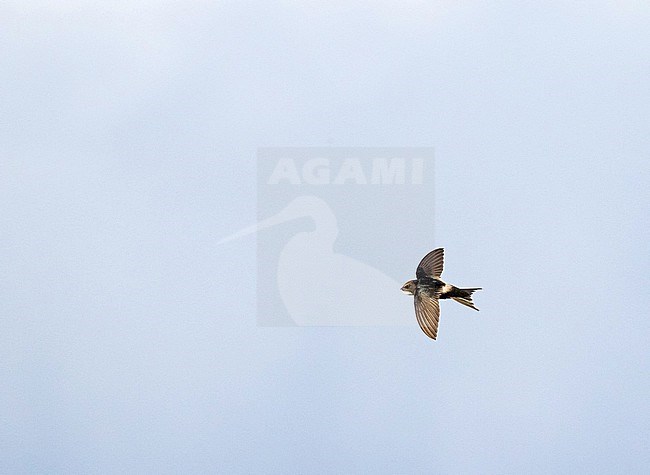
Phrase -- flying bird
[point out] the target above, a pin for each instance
(427, 289)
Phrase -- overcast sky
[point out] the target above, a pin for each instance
(128, 337)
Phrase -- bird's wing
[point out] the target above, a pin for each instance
(427, 312)
(432, 264)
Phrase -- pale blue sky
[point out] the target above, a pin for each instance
(128, 337)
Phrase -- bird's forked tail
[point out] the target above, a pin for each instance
(464, 296)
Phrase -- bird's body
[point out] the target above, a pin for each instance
(428, 289)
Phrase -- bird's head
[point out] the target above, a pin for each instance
(409, 287)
